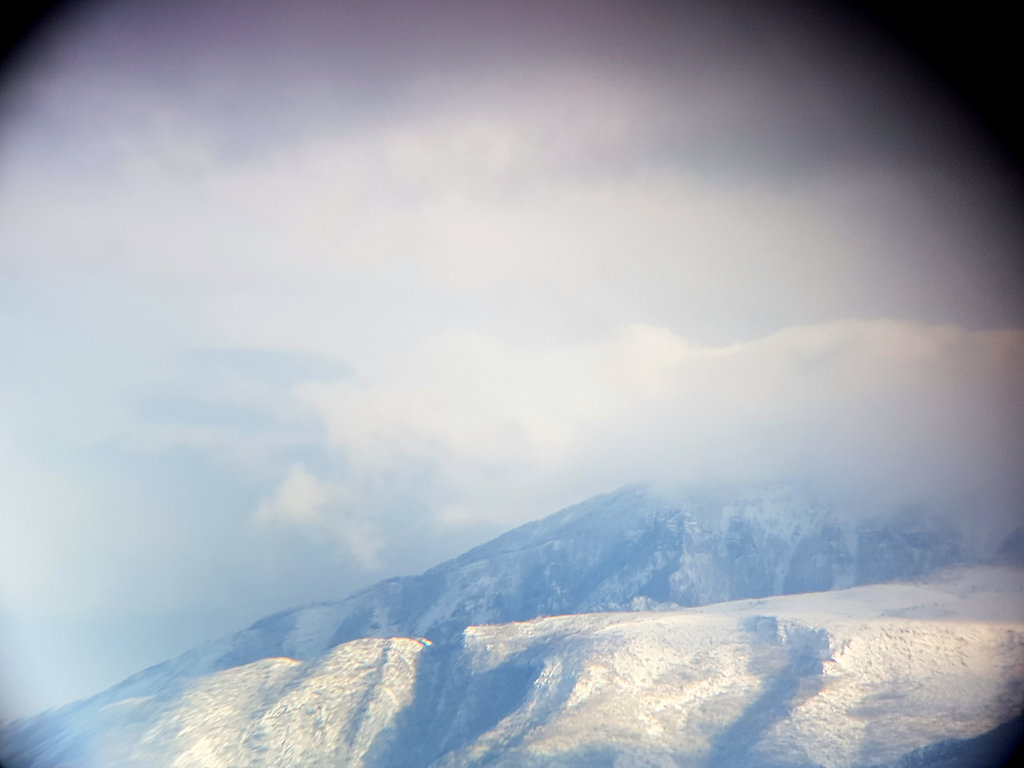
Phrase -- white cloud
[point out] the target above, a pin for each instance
(308, 503)
(300, 498)
(529, 209)
(897, 409)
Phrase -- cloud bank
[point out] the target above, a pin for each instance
(901, 412)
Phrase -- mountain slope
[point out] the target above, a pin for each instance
(867, 676)
(624, 550)
(629, 550)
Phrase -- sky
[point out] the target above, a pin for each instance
(294, 297)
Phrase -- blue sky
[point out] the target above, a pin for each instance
(296, 297)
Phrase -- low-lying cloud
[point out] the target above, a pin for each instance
(893, 412)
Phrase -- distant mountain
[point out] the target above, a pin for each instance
(893, 675)
(629, 550)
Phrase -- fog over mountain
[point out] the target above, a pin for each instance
(300, 300)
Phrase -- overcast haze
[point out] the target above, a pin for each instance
(297, 296)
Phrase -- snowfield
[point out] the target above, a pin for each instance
(866, 676)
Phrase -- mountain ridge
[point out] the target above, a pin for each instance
(633, 574)
(821, 559)
(630, 550)
(879, 675)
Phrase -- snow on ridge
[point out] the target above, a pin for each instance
(632, 548)
(625, 550)
(842, 678)
(923, 679)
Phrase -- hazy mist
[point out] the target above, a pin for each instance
(297, 296)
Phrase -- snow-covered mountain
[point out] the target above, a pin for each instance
(349, 683)
(918, 674)
(628, 550)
